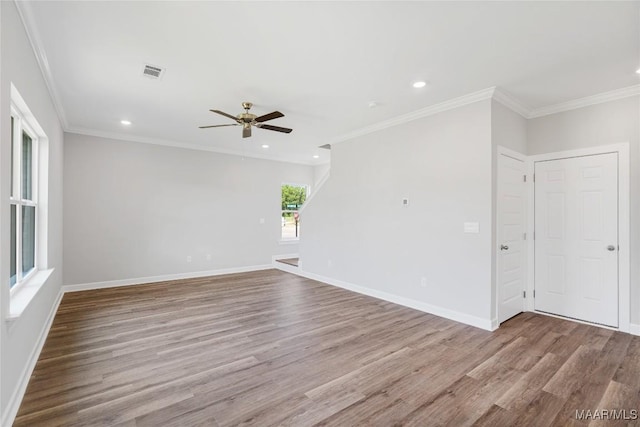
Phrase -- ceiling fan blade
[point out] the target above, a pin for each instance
(270, 116)
(222, 113)
(218, 126)
(246, 132)
(276, 128)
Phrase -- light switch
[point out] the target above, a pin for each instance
(261, 220)
(471, 227)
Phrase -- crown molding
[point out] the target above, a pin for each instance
(28, 22)
(500, 95)
(599, 98)
(418, 114)
(175, 144)
(511, 102)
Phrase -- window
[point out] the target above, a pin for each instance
(293, 197)
(23, 199)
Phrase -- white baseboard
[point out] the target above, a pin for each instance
(494, 324)
(16, 398)
(478, 322)
(163, 278)
(634, 329)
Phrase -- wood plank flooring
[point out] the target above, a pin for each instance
(271, 348)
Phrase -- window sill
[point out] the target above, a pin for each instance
(21, 298)
(289, 242)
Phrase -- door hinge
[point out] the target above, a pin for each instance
(524, 294)
(534, 293)
(524, 236)
(524, 178)
(534, 177)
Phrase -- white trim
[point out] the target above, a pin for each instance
(624, 260)
(418, 114)
(24, 10)
(16, 398)
(599, 98)
(504, 151)
(511, 153)
(530, 277)
(478, 322)
(634, 329)
(505, 98)
(23, 293)
(175, 144)
(163, 278)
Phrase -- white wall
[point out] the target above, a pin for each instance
(357, 231)
(319, 173)
(607, 123)
(137, 210)
(508, 128)
(18, 65)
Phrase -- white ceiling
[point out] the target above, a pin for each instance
(320, 63)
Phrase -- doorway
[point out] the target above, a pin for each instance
(511, 227)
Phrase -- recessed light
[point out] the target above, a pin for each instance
(125, 122)
(373, 104)
(638, 71)
(419, 84)
(315, 156)
(265, 146)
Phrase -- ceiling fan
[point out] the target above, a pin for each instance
(246, 120)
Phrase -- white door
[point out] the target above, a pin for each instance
(576, 238)
(511, 228)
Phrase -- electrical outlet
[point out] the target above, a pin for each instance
(423, 282)
(188, 258)
(261, 220)
(329, 263)
(208, 257)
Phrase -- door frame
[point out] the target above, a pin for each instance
(503, 151)
(624, 256)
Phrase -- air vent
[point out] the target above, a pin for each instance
(326, 146)
(152, 72)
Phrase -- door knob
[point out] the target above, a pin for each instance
(611, 248)
(504, 247)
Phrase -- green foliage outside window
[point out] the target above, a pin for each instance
(293, 197)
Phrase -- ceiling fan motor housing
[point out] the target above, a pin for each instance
(246, 117)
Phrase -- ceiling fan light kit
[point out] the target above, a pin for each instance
(247, 120)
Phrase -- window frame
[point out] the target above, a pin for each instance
(20, 127)
(307, 188)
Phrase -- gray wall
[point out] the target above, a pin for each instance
(608, 123)
(137, 210)
(18, 65)
(357, 231)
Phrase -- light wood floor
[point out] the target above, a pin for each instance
(271, 348)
